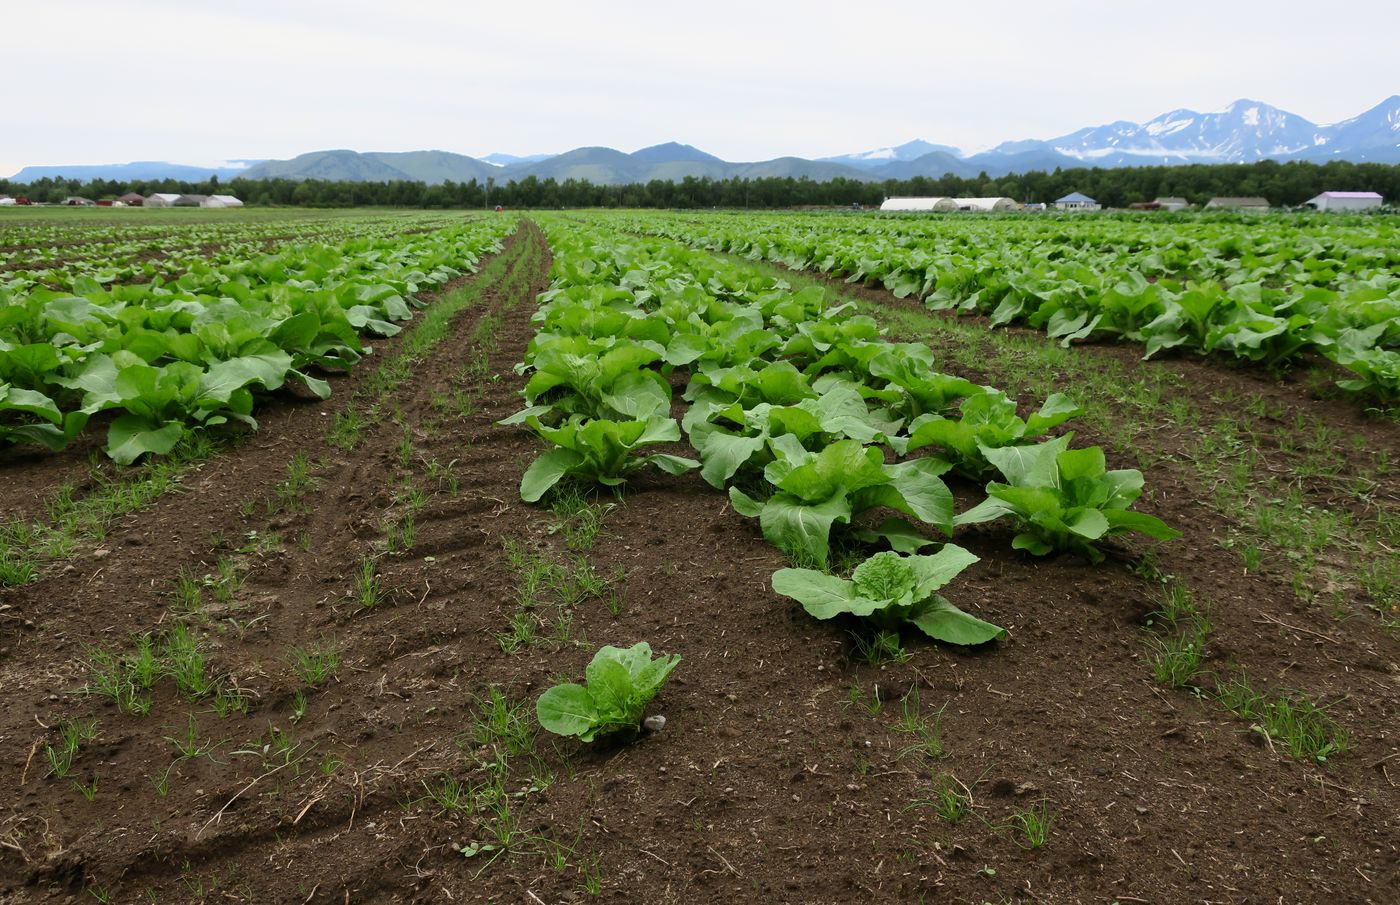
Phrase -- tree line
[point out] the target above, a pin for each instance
(1285, 184)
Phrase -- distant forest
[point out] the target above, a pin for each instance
(1285, 184)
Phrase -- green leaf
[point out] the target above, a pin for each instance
(672, 465)
(1141, 522)
(1081, 463)
(1032, 466)
(926, 496)
(1089, 523)
(801, 529)
(942, 621)
(988, 510)
(1031, 543)
(1058, 409)
(724, 454)
(321, 388)
(610, 684)
(933, 572)
(744, 504)
(822, 596)
(545, 472)
(131, 436)
(899, 534)
(14, 399)
(653, 675)
(566, 710)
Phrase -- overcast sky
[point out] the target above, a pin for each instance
(198, 81)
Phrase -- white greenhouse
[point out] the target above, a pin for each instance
(1345, 201)
(998, 205)
(918, 204)
(221, 201)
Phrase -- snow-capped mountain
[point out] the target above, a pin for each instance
(910, 150)
(505, 160)
(1244, 132)
(1372, 136)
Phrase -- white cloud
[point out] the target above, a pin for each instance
(190, 80)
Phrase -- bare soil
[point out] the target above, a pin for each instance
(781, 774)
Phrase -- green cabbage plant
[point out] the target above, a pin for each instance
(621, 682)
(600, 451)
(1063, 499)
(889, 590)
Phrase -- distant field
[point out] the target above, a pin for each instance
(1008, 559)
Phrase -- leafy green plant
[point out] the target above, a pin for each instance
(621, 682)
(890, 589)
(577, 375)
(600, 451)
(988, 421)
(838, 414)
(816, 490)
(1063, 499)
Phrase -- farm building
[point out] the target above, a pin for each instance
(918, 204)
(987, 204)
(1238, 204)
(1344, 201)
(132, 199)
(6, 201)
(190, 201)
(1171, 203)
(78, 201)
(161, 199)
(1076, 201)
(221, 201)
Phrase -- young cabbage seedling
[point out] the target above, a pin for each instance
(889, 589)
(621, 682)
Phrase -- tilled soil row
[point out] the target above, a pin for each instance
(292, 563)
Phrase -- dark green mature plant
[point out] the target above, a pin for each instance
(600, 451)
(1063, 499)
(816, 490)
(988, 420)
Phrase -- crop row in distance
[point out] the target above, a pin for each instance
(1262, 290)
(171, 357)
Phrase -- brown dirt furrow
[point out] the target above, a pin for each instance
(287, 596)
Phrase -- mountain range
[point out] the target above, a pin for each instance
(1244, 132)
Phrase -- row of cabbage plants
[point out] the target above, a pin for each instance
(811, 420)
(148, 245)
(1261, 289)
(171, 357)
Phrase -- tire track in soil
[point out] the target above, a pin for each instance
(299, 593)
